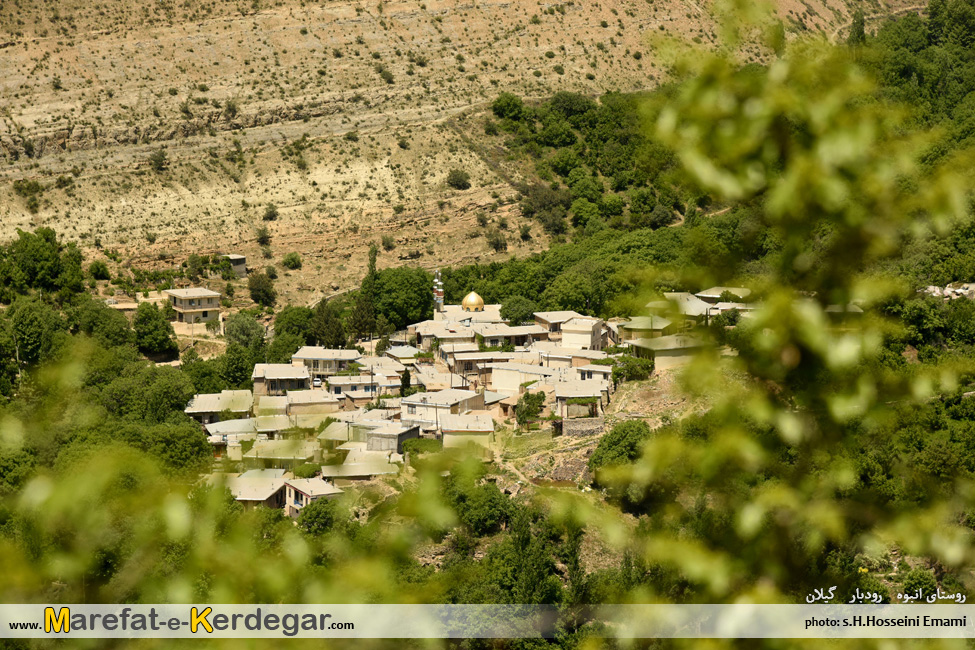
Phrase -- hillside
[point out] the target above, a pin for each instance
(346, 116)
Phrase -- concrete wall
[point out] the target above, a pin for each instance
(583, 427)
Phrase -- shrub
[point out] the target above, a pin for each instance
(459, 179)
(270, 212)
(263, 236)
(158, 160)
(388, 242)
(292, 261)
(271, 271)
(352, 136)
(621, 445)
(497, 241)
(99, 270)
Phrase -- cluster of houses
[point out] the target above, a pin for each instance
(467, 370)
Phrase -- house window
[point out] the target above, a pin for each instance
(204, 314)
(411, 409)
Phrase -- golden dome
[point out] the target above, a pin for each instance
(472, 302)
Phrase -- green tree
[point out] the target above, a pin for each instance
(404, 295)
(261, 288)
(153, 333)
(326, 326)
(517, 309)
(857, 36)
(319, 517)
(295, 321)
(404, 382)
(244, 330)
(529, 407)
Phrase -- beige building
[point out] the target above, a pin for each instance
(207, 408)
(324, 362)
(425, 409)
(582, 333)
(460, 430)
(279, 378)
(302, 491)
(196, 305)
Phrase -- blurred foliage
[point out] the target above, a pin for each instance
(828, 440)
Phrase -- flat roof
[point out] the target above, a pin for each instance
(359, 469)
(647, 323)
(228, 427)
(279, 371)
(311, 396)
(446, 397)
(479, 422)
(236, 401)
(254, 489)
(581, 388)
(314, 352)
(193, 292)
(581, 323)
(401, 351)
(715, 292)
(673, 342)
(282, 449)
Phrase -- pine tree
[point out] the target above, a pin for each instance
(858, 36)
(326, 326)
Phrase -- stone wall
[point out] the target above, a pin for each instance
(579, 427)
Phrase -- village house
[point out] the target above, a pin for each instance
(390, 436)
(310, 402)
(667, 351)
(595, 371)
(374, 385)
(254, 489)
(279, 378)
(496, 335)
(552, 321)
(425, 409)
(226, 436)
(238, 263)
(361, 464)
(581, 399)
(715, 295)
(458, 431)
(285, 454)
(302, 491)
(208, 407)
(646, 327)
(405, 354)
(381, 366)
(508, 377)
(552, 355)
(196, 305)
(322, 363)
(583, 333)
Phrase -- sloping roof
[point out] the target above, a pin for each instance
(455, 348)
(193, 292)
(314, 352)
(673, 342)
(359, 469)
(273, 423)
(282, 449)
(687, 303)
(523, 368)
(279, 371)
(313, 487)
(254, 489)
(310, 420)
(402, 351)
(270, 405)
(227, 427)
(335, 431)
(556, 316)
(715, 292)
(236, 401)
(592, 367)
(647, 323)
(265, 473)
(384, 364)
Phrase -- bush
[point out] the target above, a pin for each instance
(620, 446)
(919, 579)
(508, 106)
(308, 470)
(263, 236)
(271, 271)
(459, 179)
(388, 242)
(99, 270)
(158, 160)
(270, 212)
(292, 261)
(529, 407)
(497, 241)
